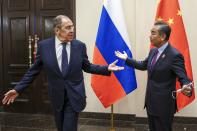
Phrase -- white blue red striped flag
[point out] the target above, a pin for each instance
(112, 35)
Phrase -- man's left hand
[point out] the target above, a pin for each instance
(187, 90)
(114, 67)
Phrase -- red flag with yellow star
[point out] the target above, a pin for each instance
(169, 11)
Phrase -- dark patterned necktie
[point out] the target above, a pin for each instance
(154, 59)
(64, 59)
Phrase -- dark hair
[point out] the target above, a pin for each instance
(57, 21)
(164, 28)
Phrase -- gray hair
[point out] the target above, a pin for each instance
(57, 21)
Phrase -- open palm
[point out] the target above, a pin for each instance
(114, 67)
(10, 97)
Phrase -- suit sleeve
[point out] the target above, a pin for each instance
(93, 68)
(178, 68)
(140, 65)
(31, 74)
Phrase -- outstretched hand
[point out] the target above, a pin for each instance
(114, 67)
(10, 97)
(120, 55)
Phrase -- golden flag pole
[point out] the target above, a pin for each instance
(112, 118)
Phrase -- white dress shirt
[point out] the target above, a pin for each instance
(161, 49)
(58, 49)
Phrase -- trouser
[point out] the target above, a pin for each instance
(67, 118)
(159, 123)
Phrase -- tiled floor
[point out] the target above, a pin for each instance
(99, 128)
(36, 122)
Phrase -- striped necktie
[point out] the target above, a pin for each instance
(154, 59)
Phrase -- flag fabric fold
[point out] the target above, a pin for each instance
(169, 11)
(111, 36)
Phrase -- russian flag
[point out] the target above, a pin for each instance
(112, 35)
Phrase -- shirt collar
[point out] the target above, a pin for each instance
(58, 41)
(163, 47)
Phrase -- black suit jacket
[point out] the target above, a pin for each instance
(72, 83)
(162, 80)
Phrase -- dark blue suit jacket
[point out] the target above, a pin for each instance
(162, 80)
(72, 82)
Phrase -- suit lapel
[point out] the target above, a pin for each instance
(160, 59)
(72, 53)
(53, 57)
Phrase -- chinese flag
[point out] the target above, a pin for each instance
(169, 11)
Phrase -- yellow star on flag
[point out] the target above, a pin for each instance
(159, 18)
(170, 21)
(179, 13)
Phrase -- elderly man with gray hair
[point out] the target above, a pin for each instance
(64, 59)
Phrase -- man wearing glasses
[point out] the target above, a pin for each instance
(164, 65)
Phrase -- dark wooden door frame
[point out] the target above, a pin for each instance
(1, 55)
(43, 106)
(41, 14)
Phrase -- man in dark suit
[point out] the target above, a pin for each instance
(164, 65)
(63, 58)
